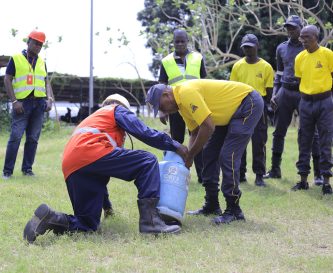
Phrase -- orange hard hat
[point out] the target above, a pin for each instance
(37, 35)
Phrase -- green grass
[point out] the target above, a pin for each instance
(285, 231)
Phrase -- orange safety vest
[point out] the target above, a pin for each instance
(95, 137)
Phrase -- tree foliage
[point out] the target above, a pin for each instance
(217, 26)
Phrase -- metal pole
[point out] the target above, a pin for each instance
(91, 77)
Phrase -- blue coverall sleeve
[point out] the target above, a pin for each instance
(131, 124)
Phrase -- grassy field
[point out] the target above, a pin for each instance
(285, 231)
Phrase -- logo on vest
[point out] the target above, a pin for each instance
(319, 65)
(193, 107)
(259, 75)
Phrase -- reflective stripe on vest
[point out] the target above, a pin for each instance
(192, 71)
(93, 130)
(22, 70)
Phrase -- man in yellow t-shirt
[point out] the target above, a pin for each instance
(314, 67)
(220, 115)
(258, 73)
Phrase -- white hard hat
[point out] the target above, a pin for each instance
(117, 98)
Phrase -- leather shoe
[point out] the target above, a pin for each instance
(259, 181)
(272, 174)
(228, 216)
(205, 211)
(326, 189)
(318, 180)
(300, 186)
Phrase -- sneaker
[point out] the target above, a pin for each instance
(318, 180)
(326, 189)
(28, 173)
(259, 181)
(300, 186)
(272, 174)
(228, 216)
(6, 175)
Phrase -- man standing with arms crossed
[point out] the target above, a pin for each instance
(177, 67)
(314, 67)
(29, 90)
(286, 98)
(258, 73)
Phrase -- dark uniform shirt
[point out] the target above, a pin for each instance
(163, 78)
(286, 53)
(128, 121)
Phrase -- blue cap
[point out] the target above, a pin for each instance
(293, 20)
(154, 95)
(250, 40)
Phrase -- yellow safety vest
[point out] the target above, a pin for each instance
(192, 71)
(22, 70)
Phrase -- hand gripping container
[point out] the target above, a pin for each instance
(175, 179)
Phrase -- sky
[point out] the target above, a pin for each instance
(71, 20)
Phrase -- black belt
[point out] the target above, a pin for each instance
(290, 86)
(316, 97)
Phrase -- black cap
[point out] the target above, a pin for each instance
(293, 20)
(250, 40)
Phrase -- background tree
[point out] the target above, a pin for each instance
(217, 26)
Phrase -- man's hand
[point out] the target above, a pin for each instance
(18, 107)
(189, 161)
(274, 104)
(182, 151)
(48, 105)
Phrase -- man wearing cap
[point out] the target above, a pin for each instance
(286, 98)
(258, 73)
(30, 92)
(314, 67)
(222, 116)
(95, 153)
(179, 66)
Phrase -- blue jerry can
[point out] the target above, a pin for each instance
(175, 179)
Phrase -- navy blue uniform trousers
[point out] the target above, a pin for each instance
(226, 145)
(258, 139)
(288, 102)
(87, 186)
(315, 114)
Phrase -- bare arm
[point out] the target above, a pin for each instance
(198, 139)
(49, 94)
(17, 105)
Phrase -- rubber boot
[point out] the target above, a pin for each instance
(150, 220)
(45, 219)
(211, 206)
(275, 171)
(233, 212)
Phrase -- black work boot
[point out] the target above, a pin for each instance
(45, 219)
(275, 171)
(211, 206)
(302, 185)
(259, 181)
(326, 189)
(150, 220)
(233, 212)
